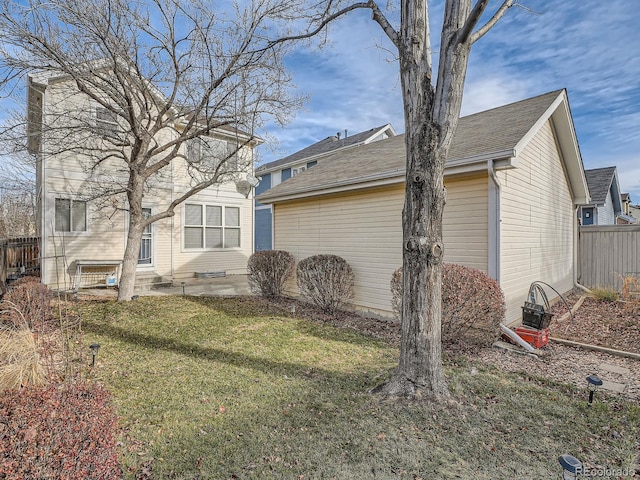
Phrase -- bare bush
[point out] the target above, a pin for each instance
(269, 270)
(471, 300)
(31, 302)
(326, 281)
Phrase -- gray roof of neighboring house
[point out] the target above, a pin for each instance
(494, 131)
(324, 146)
(599, 181)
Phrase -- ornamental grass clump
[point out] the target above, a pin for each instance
(268, 271)
(326, 281)
(20, 361)
(472, 304)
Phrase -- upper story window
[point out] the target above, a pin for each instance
(106, 122)
(71, 215)
(211, 226)
(297, 170)
(210, 152)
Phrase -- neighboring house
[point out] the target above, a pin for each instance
(211, 231)
(276, 172)
(627, 216)
(634, 211)
(606, 201)
(514, 180)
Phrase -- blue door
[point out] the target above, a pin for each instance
(587, 216)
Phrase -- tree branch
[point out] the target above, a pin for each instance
(319, 28)
(478, 34)
(379, 17)
(472, 20)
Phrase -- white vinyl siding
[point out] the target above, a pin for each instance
(537, 221)
(606, 215)
(365, 228)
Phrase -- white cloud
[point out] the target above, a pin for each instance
(589, 47)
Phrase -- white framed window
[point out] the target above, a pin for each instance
(106, 122)
(70, 215)
(208, 227)
(210, 152)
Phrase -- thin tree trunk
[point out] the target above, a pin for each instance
(134, 239)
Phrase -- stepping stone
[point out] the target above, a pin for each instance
(613, 386)
(614, 369)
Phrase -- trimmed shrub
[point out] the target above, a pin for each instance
(65, 432)
(269, 270)
(470, 300)
(326, 281)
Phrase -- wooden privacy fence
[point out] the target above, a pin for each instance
(607, 254)
(19, 256)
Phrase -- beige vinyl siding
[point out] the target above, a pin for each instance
(365, 228)
(537, 223)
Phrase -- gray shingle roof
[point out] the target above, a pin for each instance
(599, 181)
(485, 133)
(323, 146)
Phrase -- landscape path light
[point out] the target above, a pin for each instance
(594, 382)
(94, 347)
(571, 466)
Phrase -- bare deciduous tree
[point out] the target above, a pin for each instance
(156, 77)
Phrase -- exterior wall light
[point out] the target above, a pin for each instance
(594, 382)
(571, 467)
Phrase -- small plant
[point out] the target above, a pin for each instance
(470, 300)
(603, 294)
(631, 291)
(326, 281)
(59, 431)
(269, 270)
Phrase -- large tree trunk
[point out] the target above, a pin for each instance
(431, 117)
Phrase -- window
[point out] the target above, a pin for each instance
(71, 215)
(211, 226)
(209, 152)
(106, 122)
(296, 171)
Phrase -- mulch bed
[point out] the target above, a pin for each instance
(608, 324)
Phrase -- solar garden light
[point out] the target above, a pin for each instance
(594, 382)
(183, 284)
(571, 467)
(94, 347)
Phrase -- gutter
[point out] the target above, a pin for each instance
(456, 166)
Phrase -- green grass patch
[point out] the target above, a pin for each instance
(226, 388)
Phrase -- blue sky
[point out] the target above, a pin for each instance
(589, 47)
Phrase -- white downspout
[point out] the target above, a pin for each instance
(494, 224)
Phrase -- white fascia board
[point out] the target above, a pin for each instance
(378, 132)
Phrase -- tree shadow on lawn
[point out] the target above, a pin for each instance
(231, 358)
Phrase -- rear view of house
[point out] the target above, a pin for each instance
(514, 180)
(83, 225)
